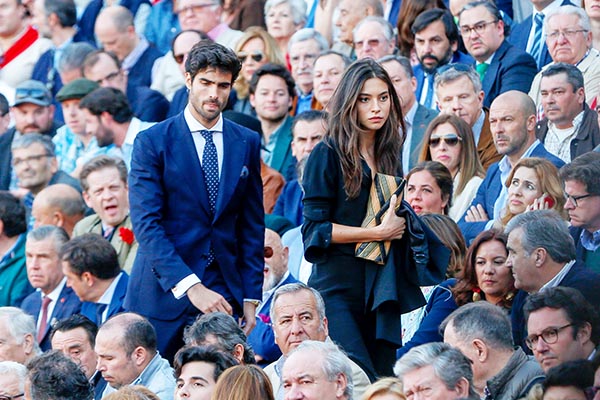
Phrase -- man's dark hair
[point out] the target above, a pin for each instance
(208, 354)
(53, 376)
(585, 169)
(109, 100)
(100, 162)
(428, 17)
(136, 330)
(91, 253)
(76, 321)
(223, 329)
(574, 75)
(577, 309)
(578, 373)
(310, 116)
(207, 54)
(65, 10)
(277, 70)
(4, 108)
(12, 215)
(492, 9)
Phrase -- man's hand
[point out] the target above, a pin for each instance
(207, 300)
(248, 321)
(476, 214)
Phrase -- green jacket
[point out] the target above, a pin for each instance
(14, 285)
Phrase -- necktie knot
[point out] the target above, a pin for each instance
(539, 19)
(46, 301)
(207, 135)
(482, 69)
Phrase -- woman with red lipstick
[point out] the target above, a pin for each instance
(364, 137)
(429, 188)
(449, 140)
(533, 184)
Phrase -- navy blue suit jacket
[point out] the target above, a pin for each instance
(178, 102)
(116, 303)
(490, 189)
(458, 57)
(519, 36)
(289, 203)
(147, 104)
(68, 304)
(141, 72)
(580, 277)
(510, 69)
(262, 338)
(174, 226)
(579, 249)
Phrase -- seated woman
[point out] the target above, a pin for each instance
(484, 277)
(449, 140)
(429, 188)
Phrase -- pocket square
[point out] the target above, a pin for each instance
(245, 172)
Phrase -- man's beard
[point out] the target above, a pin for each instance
(438, 63)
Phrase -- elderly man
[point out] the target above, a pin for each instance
(12, 379)
(328, 70)
(481, 331)
(501, 66)
(350, 12)
(53, 300)
(512, 120)
(59, 205)
(541, 254)
(570, 127)
(298, 314)
(562, 326)
(582, 191)
(436, 45)
(569, 40)
(458, 91)
(127, 355)
(13, 274)
(324, 365)
(17, 333)
(374, 37)
(303, 48)
(439, 369)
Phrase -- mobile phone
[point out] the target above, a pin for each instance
(549, 200)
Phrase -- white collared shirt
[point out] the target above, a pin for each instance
(108, 294)
(554, 282)
(409, 119)
(54, 296)
(199, 141)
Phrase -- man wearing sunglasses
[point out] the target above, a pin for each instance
(562, 326)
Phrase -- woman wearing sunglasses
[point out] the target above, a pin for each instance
(449, 140)
(254, 49)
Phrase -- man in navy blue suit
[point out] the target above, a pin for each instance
(196, 206)
(53, 300)
(91, 266)
(501, 66)
(541, 254)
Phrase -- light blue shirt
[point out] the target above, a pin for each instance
(71, 152)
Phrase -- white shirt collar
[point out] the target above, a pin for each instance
(195, 125)
(107, 296)
(558, 277)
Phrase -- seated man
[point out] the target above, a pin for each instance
(127, 355)
(105, 190)
(481, 331)
(17, 333)
(197, 369)
(75, 337)
(221, 331)
(92, 270)
(12, 379)
(563, 326)
(437, 368)
(13, 275)
(49, 368)
(59, 205)
(298, 314)
(374, 38)
(53, 300)
(322, 364)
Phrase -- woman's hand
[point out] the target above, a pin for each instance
(544, 202)
(392, 226)
(476, 214)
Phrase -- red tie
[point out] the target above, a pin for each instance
(44, 322)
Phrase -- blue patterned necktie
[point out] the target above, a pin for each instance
(210, 167)
(538, 44)
(429, 98)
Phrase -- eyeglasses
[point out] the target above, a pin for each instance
(550, 336)
(256, 55)
(371, 42)
(16, 396)
(37, 94)
(179, 57)
(195, 8)
(479, 27)
(18, 161)
(268, 252)
(569, 33)
(451, 140)
(575, 199)
(590, 392)
(108, 77)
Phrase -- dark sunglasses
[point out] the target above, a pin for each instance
(450, 139)
(256, 55)
(38, 94)
(179, 58)
(268, 252)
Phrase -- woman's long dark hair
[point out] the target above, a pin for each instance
(344, 130)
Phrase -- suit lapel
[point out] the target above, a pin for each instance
(283, 145)
(234, 150)
(490, 76)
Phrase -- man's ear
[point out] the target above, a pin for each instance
(584, 333)
(481, 350)
(139, 355)
(341, 382)
(238, 352)
(462, 388)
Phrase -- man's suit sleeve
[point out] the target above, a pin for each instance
(147, 200)
(518, 74)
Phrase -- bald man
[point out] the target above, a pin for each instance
(512, 122)
(60, 205)
(116, 33)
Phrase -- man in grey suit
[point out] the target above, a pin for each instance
(416, 117)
